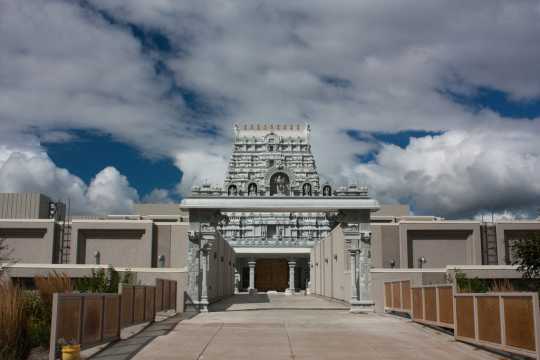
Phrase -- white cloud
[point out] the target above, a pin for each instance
(110, 192)
(200, 167)
(459, 173)
(31, 170)
(367, 65)
(505, 215)
(158, 196)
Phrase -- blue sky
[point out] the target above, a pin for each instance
(90, 152)
(114, 102)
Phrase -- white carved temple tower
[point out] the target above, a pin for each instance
(277, 207)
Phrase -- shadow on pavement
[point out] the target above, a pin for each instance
(239, 299)
(127, 348)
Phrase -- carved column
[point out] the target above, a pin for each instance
(357, 234)
(236, 281)
(203, 233)
(291, 289)
(354, 276)
(203, 304)
(251, 265)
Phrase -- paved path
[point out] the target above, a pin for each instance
(301, 327)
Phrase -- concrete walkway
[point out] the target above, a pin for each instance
(301, 327)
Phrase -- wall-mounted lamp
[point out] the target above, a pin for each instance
(97, 257)
(392, 263)
(335, 257)
(421, 261)
(161, 260)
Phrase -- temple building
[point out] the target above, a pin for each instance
(273, 245)
(272, 225)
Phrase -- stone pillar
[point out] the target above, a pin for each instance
(354, 276)
(358, 237)
(203, 304)
(291, 289)
(236, 281)
(251, 265)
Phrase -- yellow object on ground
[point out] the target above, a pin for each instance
(71, 352)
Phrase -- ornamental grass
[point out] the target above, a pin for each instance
(50, 284)
(14, 340)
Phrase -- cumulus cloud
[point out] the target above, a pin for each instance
(505, 215)
(459, 173)
(200, 167)
(159, 196)
(110, 192)
(369, 65)
(31, 170)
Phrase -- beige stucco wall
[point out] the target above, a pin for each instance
(179, 245)
(507, 231)
(328, 270)
(440, 242)
(137, 243)
(119, 242)
(24, 206)
(220, 274)
(29, 241)
(385, 244)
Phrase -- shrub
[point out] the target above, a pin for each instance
(39, 320)
(14, 340)
(474, 285)
(39, 306)
(527, 253)
(103, 282)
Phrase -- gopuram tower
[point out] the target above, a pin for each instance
(272, 207)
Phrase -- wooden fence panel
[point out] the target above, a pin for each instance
(388, 295)
(430, 304)
(396, 295)
(519, 322)
(159, 295)
(149, 313)
(173, 294)
(417, 304)
(127, 305)
(92, 319)
(433, 305)
(166, 295)
(68, 319)
(85, 319)
(465, 317)
(446, 305)
(95, 318)
(489, 321)
(406, 294)
(504, 321)
(111, 316)
(138, 304)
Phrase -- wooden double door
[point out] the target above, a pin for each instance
(272, 274)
